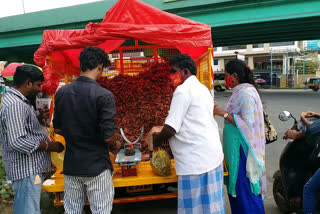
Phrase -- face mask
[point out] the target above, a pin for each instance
(176, 79)
(228, 81)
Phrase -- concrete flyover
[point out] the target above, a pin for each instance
(233, 21)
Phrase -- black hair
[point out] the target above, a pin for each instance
(92, 57)
(244, 73)
(27, 72)
(184, 61)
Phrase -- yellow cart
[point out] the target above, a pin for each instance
(146, 185)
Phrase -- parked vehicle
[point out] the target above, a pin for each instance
(219, 82)
(262, 83)
(296, 168)
(313, 83)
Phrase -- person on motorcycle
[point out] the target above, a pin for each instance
(312, 187)
(312, 129)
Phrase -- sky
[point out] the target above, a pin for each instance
(18, 7)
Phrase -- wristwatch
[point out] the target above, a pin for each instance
(225, 115)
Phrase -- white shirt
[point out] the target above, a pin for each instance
(196, 145)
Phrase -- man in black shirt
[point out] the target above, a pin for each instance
(84, 114)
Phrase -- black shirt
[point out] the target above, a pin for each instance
(84, 112)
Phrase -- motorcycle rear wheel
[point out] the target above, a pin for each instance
(278, 194)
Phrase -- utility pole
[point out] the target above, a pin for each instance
(24, 10)
(304, 59)
(271, 67)
(287, 68)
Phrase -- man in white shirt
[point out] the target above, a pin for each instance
(194, 140)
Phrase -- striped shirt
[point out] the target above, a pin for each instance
(20, 137)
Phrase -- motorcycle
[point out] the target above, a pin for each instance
(298, 162)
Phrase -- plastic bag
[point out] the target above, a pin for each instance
(161, 163)
(57, 158)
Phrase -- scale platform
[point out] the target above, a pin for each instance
(123, 160)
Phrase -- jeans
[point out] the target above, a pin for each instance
(314, 129)
(27, 195)
(310, 192)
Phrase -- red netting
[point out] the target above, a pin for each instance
(142, 100)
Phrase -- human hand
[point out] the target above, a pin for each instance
(149, 137)
(115, 148)
(55, 147)
(215, 104)
(291, 134)
(114, 144)
(44, 113)
(308, 114)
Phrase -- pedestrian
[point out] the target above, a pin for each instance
(244, 141)
(194, 140)
(84, 114)
(24, 142)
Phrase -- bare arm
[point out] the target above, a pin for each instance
(51, 146)
(293, 134)
(304, 115)
(316, 114)
(221, 112)
(166, 133)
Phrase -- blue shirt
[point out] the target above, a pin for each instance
(20, 137)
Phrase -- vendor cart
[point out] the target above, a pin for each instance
(136, 36)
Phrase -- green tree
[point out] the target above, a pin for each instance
(311, 63)
(6, 192)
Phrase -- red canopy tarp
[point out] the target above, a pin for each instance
(126, 20)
